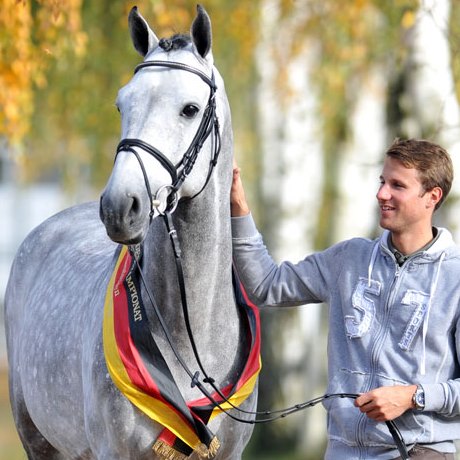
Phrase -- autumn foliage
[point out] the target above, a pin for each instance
(62, 62)
(31, 34)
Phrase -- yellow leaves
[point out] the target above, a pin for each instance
(58, 27)
(80, 44)
(173, 18)
(408, 19)
(27, 42)
(15, 72)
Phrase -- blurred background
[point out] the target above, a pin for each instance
(318, 90)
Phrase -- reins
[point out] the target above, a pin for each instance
(209, 124)
(268, 415)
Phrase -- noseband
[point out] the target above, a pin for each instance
(179, 172)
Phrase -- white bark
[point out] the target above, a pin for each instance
(292, 177)
(433, 102)
(362, 162)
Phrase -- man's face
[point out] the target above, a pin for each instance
(405, 207)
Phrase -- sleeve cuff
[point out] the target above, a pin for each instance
(244, 227)
(435, 398)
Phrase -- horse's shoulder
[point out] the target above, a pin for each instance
(81, 216)
(70, 222)
(73, 231)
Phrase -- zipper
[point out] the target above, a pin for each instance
(377, 346)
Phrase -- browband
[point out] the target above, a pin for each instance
(180, 66)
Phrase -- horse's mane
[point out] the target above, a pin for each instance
(175, 42)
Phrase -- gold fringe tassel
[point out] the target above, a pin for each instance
(208, 452)
(169, 453)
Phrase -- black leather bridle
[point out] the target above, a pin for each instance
(209, 124)
(179, 172)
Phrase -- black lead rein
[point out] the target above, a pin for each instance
(209, 124)
(267, 416)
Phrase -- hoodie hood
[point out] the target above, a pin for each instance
(444, 244)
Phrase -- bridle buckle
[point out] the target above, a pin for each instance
(165, 204)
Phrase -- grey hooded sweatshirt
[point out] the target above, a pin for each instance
(388, 325)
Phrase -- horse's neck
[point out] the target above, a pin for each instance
(204, 236)
(205, 241)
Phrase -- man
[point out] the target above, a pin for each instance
(394, 311)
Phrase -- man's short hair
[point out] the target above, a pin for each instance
(432, 162)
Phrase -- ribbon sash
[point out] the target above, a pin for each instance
(140, 372)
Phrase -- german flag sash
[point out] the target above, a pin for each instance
(140, 372)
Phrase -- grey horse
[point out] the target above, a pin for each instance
(64, 401)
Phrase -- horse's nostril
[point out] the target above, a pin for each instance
(135, 206)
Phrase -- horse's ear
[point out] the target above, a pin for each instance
(201, 33)
(143, 38)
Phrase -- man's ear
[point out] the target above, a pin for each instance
(435, 196)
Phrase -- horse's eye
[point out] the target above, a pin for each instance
(189, 111)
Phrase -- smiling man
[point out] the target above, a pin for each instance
(394, 311)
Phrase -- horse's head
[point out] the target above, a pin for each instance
(169, 130)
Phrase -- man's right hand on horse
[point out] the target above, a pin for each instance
(238, 204)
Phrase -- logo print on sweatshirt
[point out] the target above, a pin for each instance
(359, 324)
(419, 301)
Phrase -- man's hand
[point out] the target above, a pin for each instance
(386, 403)
(238, 203)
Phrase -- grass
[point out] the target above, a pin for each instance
(10, 446)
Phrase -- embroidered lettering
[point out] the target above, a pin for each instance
(419, 301)
(134, 299)
(359, 324)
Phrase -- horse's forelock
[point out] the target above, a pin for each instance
(176, 42)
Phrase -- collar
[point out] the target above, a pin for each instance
(401, 258)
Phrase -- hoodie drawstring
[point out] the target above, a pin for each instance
(426, 317)
(372, 262)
